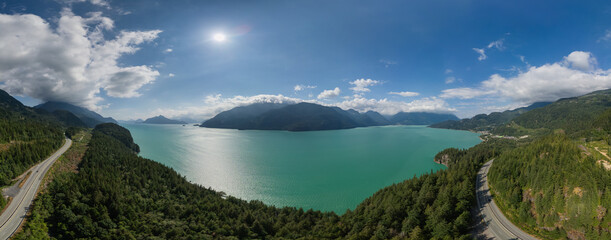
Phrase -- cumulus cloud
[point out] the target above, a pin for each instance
(171, 75)
(72, 61)
(329, 93)
(169, 50)
(581, 60)
(361, 85)
(300, 87)
(405, 94)
(576, 75)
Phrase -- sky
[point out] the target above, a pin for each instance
(194, 59)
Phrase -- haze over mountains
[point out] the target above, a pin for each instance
(308, 117)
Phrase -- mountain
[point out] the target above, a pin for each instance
(25, 137)
(304, 117)
(378, 118)
(88, 117)
(293, 117)
(240, 117)
(572, 115)
(162, 120)
(486, 122)
(310, 116)
(420, 118)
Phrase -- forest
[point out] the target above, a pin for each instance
(116, 194)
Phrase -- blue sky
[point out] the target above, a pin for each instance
(136, 59)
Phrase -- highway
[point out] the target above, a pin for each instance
(15, 213)
(495, 224)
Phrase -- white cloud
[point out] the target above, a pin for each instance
(405, 94)
(361, 85)
(462, 93)
(169, 50)
(101, 3)
(300, 87)
(481, 52)
(386, 107)
(581, 60)
(448, 71)
(72, 61)
(576, 75)
(329, 93)
(171, 75)
(498, 44)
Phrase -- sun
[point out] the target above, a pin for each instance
(219, 37)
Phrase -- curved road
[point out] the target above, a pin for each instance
(496, 225)
(15, 213)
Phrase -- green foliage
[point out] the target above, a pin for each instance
(552, 188)
(118, 133)
(575, 116)
(25, 139)
(487, 122)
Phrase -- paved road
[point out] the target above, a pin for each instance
(496, 225)
(16, 211)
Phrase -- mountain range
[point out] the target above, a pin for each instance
(487, 122)
(162, 120)
(309, 116)
(89, 118)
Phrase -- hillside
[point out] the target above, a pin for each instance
(309, 116)
(420, 118)
(88, 117)
(557, 186)
(26, 138)
(487, 122)
(240, 117)
(162, 120)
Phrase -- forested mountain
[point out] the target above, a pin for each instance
(240, 117)
(162, 120)
(88, 117)
(573, 115)
(309, 116)
(486, 122)
(26, 138)
(420, 118)
(559, 185)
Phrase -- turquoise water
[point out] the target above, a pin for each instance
(323, 170)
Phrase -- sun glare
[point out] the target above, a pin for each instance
(219, 37)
